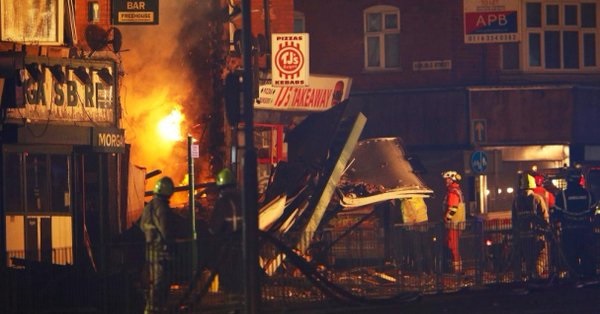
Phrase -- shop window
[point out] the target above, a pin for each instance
(39, 183)
(59, 187)
(382, 37)
(559, 36)
(13, 183)
(32, 21)
(36, 185)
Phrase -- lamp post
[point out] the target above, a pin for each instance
(250, 182)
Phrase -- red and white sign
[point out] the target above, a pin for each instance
(491, 21)
(323, 93)
(289, 59)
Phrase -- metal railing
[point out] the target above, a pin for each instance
(362, 266)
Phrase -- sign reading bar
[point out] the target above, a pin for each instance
(491, 21)
(323, 93)
(289, 59)
(135, 12)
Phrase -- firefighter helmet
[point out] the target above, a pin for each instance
(164, 186)
(452, 175)
(224, 177)
(526, 181)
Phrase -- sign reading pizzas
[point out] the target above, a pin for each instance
(289, 59)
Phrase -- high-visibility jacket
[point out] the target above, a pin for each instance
(529, 211)
(454, 205)
(414, 210)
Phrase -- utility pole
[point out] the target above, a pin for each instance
(250, 184)
(192, 205)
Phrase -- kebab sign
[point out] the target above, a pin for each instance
(289, 59)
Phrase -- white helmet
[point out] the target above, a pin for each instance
(453, 175)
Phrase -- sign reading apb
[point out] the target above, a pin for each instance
(289, 59)
(491, 21)
(131, 12)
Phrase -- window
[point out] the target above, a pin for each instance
(299, 23)
(561, 35)
(32, 21)
(382, 37)
(39, 183)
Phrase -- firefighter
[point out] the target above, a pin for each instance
(414, 219)
(541, 190)
(156, 222)
(226, 227)
(529, 220)
(573, 214)
(454, 216)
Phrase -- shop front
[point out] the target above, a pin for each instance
(279, 109)
(62, 161)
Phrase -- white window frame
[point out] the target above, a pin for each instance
(384, 10)
(17, 19)
(526, 31)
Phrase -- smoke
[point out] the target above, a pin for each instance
(166, 67)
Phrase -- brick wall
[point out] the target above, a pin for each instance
(430, 30)
(81, 18)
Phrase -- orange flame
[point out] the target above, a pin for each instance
(169, 127)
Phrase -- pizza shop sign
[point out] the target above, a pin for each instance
(78, 95)
(289, 59)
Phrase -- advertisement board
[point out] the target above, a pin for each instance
(491, 21)
(290, 59)
(322, 93)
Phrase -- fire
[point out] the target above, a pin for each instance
(169, 127)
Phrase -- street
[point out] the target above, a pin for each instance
(559, 298)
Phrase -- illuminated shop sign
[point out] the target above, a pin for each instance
(323, 93)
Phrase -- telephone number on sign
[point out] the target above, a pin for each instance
(492, 38)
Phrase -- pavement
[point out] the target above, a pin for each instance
(522, 298)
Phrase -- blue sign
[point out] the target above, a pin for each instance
(479, 161)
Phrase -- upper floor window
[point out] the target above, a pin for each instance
(32, 21)
(299, 22)
(560, 35)
(382, 37)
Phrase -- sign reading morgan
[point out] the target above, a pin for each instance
(290, 59)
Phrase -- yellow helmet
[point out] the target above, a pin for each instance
(527, 181)
(224, 177)
(164, 186)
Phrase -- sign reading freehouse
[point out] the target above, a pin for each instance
(491, 21)
(289, 59)
(135, 12)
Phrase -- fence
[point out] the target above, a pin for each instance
(348, 266)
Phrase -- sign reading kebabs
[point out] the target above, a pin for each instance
(289, 59)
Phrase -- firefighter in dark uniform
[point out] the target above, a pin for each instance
(529, 219)
(226, 227)
(573, 213)
(156, 223)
